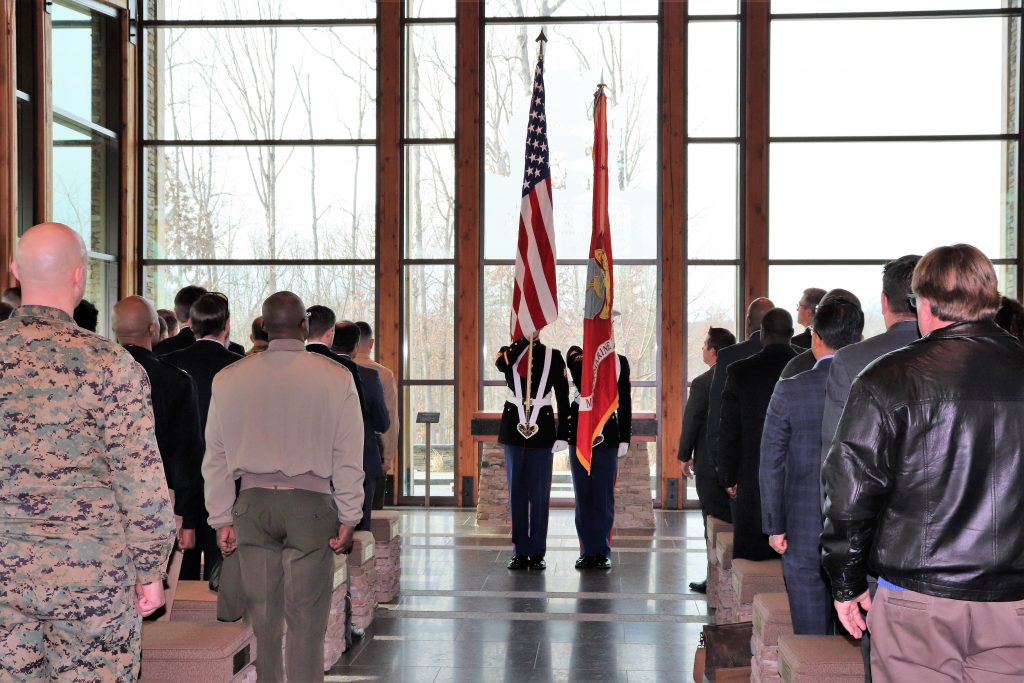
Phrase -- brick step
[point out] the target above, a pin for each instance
(362, 578)
(750, 578)
(189, 652)
(820, 659)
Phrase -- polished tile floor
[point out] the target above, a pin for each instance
(462, 616)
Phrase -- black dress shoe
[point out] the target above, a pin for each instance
(602, 562)
(518, 562)
(585, 562)
(699, 586)
(537, 563)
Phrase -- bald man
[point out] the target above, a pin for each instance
(287, 424)
(175, 412)
(727, 356)
(85, 516)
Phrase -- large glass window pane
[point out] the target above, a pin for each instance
(711, 301)
(264, 9)
(919, 76)
(787, 283)
(434, 399)
(698, 7)
(261, 202)
(577, 56)
(81, 179)
(713, 78)
(636, 297)
(430, 201)
(101, 291)
(817, 6)
(80, 62)
(25, 53)
(423, 9)
(348, 290)
(712, 225)
(881, 200)
(26, 166)
(429, 299)
(265, 83)
(430, 81)
(572, 8)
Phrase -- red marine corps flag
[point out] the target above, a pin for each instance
(599, 395)
(535, 296)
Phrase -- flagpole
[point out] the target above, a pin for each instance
(542, 39)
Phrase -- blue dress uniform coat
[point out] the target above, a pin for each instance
(528, 459)
(790, 489)
(595, 492)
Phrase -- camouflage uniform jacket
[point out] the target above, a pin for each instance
(83, 501)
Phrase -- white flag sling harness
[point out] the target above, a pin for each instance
(528, 423)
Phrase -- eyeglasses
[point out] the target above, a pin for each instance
(912, 302)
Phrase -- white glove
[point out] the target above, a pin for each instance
(623, 447)
(560, 446)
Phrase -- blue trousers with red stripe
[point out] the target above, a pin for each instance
(529, 495)
(595, 500)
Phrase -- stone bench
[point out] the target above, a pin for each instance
(712, 527)
(362, 578)
(190, 652)
(725, 598)
(772, 620)
(194, 601)
(820, 659)
(384, 526)
(751, 577)
(334, 638)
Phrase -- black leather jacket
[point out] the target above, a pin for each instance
(925, 478)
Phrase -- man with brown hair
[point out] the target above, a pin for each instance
(923, 488)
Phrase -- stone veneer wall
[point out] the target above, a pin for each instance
(634, 507)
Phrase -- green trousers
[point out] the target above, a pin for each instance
(287, 569)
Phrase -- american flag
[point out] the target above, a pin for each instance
(535, 297)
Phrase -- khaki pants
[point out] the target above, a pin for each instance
(925, 639)
(287, 570)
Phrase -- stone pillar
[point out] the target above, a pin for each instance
(634, 506)
(492, 497)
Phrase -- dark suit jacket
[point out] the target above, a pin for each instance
(847, 364)
(803, 340)
(748, 389)
(202, 361)
(726, 357)
(375, 420)
(693, 443)
(548, 431)
(790, 465)
(178, 432)
(184, 339)
(352, 366)
(236, 348)
(619, 427)
(802, 362)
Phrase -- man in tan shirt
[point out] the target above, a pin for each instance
(389, 439)
(287, 424)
